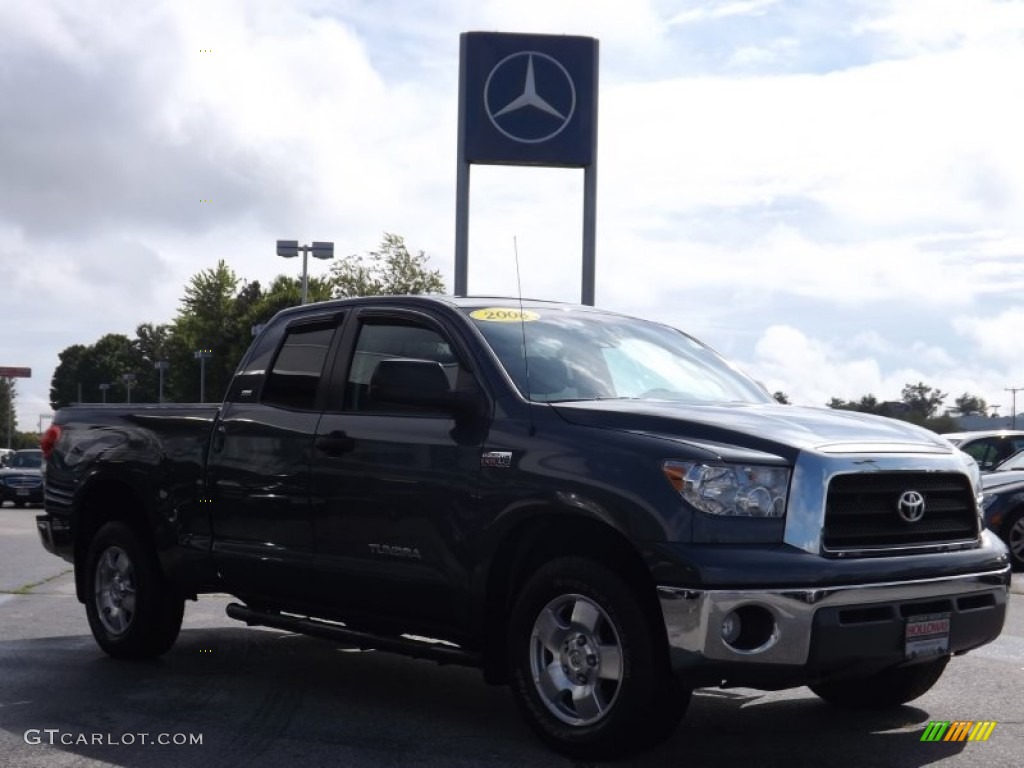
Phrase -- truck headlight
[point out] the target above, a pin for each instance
(738, 490)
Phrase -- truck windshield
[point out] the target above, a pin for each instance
(576, 354)
(26, 460)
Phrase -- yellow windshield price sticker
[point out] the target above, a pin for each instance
(504, 315)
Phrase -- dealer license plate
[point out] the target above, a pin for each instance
(927, 635)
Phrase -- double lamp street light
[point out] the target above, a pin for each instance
(289, 249)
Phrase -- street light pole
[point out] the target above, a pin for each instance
(289, 249)
(128, 378)
(1013, 407)
(161, 366)
(202, 355)
(10, 410)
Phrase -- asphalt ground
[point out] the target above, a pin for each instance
(258, 697)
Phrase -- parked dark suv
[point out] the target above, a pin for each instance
(21, 480)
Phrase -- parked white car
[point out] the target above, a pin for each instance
(988, 447)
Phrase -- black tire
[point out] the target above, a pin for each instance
(883, 690)
(133, 612)
(1013, 534)
(628, 700)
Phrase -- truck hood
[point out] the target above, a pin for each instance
(781, 430)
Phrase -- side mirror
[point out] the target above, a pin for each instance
(419, 384)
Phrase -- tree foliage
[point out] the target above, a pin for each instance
(918, 403)
(389, 270)
(82, 369)
(8, 416)
(922, 400)
(219, 312)
(971, 405)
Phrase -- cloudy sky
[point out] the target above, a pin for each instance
(831, 194)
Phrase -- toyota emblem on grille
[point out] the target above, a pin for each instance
(911, 506)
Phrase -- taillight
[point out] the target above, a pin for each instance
(49, 440)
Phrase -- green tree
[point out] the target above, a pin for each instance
(921, 400)
(867, 404)
(83, 368)
(66, 377)
(205, 321)
(389, 270)
(8, 414)
(113, 356)
(970, 405)
(285, 292)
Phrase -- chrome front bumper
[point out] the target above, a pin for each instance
(693, 618)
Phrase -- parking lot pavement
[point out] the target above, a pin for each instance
(23, 562)
(260, 697)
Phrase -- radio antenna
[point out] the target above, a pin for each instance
(522, 327)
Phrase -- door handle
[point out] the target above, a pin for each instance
(219, 433)
(335, 443)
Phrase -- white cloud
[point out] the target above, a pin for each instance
(722, 11)
(999, 337)
(917, 26)
(812, 370)
(722, 200)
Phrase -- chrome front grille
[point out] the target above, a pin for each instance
(23, 481)
(862, 510)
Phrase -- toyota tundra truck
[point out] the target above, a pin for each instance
(598, 511)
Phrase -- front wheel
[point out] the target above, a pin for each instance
(883, 690)
(1013, 535)
(133, 612)
(586, 670)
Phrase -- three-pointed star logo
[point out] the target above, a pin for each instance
(530, 104)
(529, 97)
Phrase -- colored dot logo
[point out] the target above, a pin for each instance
(208, 200)
(206, 650)
(206, 50)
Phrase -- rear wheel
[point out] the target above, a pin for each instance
(133, 612)
(884, 689)
(586, 671)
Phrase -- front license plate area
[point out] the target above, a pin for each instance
(21, 492)
(927, 636)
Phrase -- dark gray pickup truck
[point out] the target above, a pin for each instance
(597, 510)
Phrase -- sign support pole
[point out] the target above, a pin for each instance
(589, 233)
(462, 227)
(462, 184)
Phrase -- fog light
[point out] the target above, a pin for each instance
(731, 628)
(749, 629)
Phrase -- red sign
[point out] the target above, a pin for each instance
(16, 373)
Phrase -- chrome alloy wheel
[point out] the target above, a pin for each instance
(576, 659)
(115, 590)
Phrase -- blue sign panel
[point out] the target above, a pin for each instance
(528, 99)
